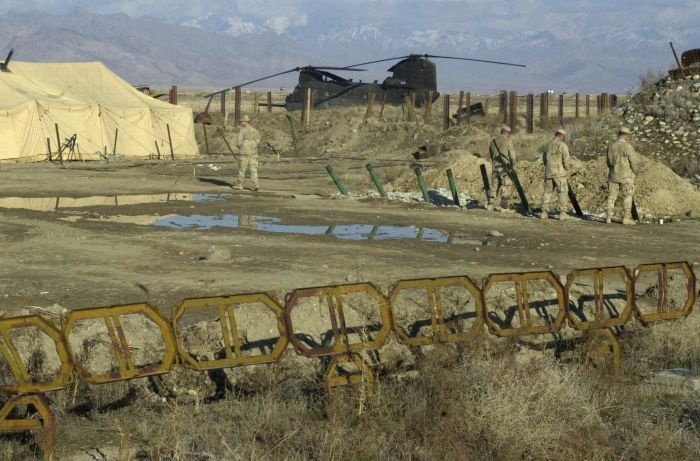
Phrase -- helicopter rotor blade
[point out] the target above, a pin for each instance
(338, 68)
(474, 60)
(374, 62)
(296, 69)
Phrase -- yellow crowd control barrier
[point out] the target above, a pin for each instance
(452, 305)
(521, 315)
(45, 422)
(606, 298)
(666, 307)
(341, 334)
(25, 380)
(125, 366)
(237, 351)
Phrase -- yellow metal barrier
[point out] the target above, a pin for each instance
(127, 368)
(46, 423)
(664, 310)
(339, 340)
(442, 329)
(605, 314)
(234, 351)
(524, 306)
(17, 360)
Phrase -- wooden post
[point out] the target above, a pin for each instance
(446, 112)
(468, 106)
(223, 103)
(306, 108)
(561, 107)
(206, 139)
(157, 148)
(170, 140)
(599, 104)
(172, 97)
(381, 107)
(237, 105)
(256, 102)
(48, 147)
(577, 104)
(459, 107)
(370, 102)
(428, 110)
(58, 139)
(544, 108)
(503, 106)
(613, 101)
(513, 112)
(269, 101)
(588, 105)
(116, 137)
(530, 113)
(410, 106)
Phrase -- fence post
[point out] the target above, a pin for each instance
(256, 102)
(561, 107)
(503, 106)
(306, 108)
(459, 108)
(428, 114)
(237, 105)
(577, 105)
(446, 112)
(513, 112)
(530, 113)
(223, 103)
(544, 108)
(269, 101)
(172, 97)
(588, 105)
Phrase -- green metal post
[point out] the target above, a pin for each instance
(375, 180)
(453, 187)
(336, 180)
(421, 184)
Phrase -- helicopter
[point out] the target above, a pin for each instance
(414, 73)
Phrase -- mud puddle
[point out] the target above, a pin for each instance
(59, 203)
(271, 224)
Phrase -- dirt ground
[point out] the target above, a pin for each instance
(76, 258)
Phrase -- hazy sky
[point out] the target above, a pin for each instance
(577, 18)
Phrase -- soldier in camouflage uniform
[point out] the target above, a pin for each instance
(622, 165)
(557, 162)
(502, 157)
(247, 142)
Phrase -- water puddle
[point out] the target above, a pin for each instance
(275, 225)
(58, 203)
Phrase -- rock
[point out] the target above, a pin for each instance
(219, 255)
(352, 278)
(676, 377)
(495, 233)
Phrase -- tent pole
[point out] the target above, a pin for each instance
(116, 136)
(157, 148)
(48, 146)
(60, 149)
(170, 140)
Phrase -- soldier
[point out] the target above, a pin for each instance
(622, 165)
(502, 158)
(247, 142)
(557, 162)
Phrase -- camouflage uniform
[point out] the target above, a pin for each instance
(557, 162)
(247, 142)
(501, 148)
(622, 165)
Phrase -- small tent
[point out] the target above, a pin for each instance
(91, 101)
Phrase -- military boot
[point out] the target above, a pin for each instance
(563, 216)
(627, 220)
(544, 215)
(608, 217)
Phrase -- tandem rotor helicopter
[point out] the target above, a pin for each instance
(412, 73)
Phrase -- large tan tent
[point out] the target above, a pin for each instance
(91, 101)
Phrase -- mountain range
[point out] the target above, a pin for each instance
(217, 51)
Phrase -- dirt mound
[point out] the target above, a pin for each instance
(660, 191)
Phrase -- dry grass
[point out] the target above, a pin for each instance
(506, 402)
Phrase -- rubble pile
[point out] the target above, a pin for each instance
(665, 121)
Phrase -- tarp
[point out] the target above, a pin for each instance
(91, 101)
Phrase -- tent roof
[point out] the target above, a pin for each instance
(70, 84)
